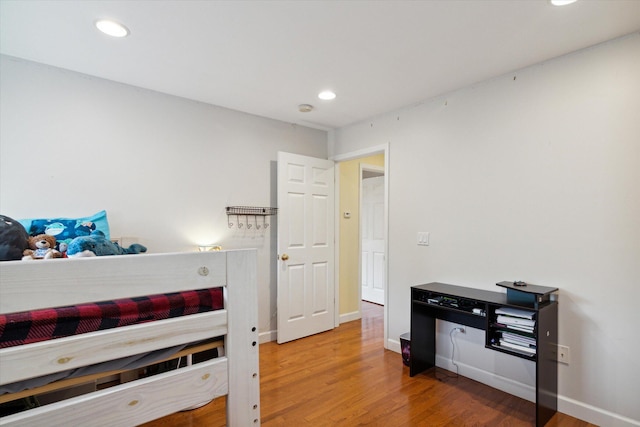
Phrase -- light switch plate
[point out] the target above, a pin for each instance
(423, 238)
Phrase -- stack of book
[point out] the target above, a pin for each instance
(519, 321)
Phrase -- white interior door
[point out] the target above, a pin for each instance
(305, 246)
(372, 260)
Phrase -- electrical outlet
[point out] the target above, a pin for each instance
(461, 329)
(563, 354)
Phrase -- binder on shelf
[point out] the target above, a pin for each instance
(531, 351)
(509, 320)
(527, 329)
(529, 342)
(515, 312)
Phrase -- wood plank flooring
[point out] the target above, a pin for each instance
(345, 377)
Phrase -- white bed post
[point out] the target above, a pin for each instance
(241, 346)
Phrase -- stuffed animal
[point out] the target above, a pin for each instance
(62, 247)
(96, 244)
(13, 239)
(41, 246)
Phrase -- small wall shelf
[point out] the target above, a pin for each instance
(250, 214)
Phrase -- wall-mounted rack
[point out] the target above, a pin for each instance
(251, 210)
(250, 214)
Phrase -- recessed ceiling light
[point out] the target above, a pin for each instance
(327, 95)
(305, 108)
(562, 2)
(112, 28)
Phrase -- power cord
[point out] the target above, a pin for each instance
(453, 351)
(453, 348)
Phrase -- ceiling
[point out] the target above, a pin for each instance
(267, 57)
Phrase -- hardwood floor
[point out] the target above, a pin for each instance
(345, 377)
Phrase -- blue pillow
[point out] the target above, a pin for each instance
(66, 229)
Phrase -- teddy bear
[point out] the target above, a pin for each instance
(13, 239)
(41, 246)
(96, 244)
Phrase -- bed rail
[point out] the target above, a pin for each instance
(50, 283)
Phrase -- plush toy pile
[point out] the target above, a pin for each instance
(16, 244)
(96, 244)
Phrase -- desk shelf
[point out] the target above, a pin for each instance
(457, 315)
(496, 330)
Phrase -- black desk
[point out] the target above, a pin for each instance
(533, 298)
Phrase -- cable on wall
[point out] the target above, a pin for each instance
(453, 352)
(453, 349)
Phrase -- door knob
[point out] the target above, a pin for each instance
(284, 257)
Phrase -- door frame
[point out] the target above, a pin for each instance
(365, 152)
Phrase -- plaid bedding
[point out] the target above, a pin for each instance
(46, 324)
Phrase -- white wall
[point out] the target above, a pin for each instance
(163, 167)
(531, 176)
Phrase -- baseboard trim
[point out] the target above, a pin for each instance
(348, 317)
(593, 414)
(394, 345)
(268, 336)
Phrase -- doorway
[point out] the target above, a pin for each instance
(349, 245)
(372, 247)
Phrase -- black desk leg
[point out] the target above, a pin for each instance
(423, 340)
(547, 366)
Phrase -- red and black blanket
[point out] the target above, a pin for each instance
(46, 324)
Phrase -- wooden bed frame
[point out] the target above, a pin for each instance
(30, 285)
